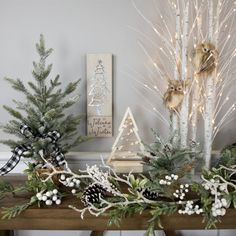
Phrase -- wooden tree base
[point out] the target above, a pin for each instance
(127, 166)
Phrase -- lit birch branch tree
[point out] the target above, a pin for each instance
(216, 100)
(174, 116)
(206, 96)
(209, 96)
(184, 113)
(196, 86)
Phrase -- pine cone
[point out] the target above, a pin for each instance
(148, 194)
(93, 194)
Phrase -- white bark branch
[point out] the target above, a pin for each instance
(184, 113)
(174, 116)
(209, 118)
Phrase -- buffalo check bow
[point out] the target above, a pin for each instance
(58, 156)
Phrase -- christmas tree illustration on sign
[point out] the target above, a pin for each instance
(124, 156)
(99, 95)
(98, 88)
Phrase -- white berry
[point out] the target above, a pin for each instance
(54, 198)
(55, 191)
(176, 177)
(44, 198)
(224, 202)
(48, 194)
(223, 211)
(63, 177)
(48, 202)
(58, 201)
(39, 196)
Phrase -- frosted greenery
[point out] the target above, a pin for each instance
(43, 109)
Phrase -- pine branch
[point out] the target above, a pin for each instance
(11, 143)
(53, 84)
(52, 114)
(18, 85)
(34, 100)
(9, 213)
(8, 128)
(40, 73)
(5, 188)
(55, 99)
(34, 87)
(41, 48)
(33, 113)
(71, 87)
(68, 104)
(13, 112)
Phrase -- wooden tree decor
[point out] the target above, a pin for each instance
(124, 156)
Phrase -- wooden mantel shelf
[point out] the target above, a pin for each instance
(62, 218)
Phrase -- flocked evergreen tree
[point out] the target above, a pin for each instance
(43, 110)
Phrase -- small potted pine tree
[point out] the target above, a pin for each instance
(40, 122)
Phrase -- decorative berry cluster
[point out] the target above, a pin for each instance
(217, 189)
(169, 179)
(70, 181)
(181, 192)
(218, 207)
(93, 194)
(49, 197)
(190, 209)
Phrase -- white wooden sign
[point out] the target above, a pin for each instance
(99, 95)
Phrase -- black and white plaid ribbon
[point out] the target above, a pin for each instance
(26, 130)
(58, 156)
(14, 160)
(53, 135)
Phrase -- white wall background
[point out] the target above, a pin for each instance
(74, 28)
